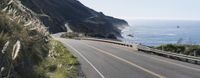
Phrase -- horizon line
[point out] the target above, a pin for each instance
(158, 18)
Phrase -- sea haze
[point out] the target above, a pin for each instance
(157, 32)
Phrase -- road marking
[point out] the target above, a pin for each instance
(86, 60)
(165, 61)
(135, 65)
(184, 66)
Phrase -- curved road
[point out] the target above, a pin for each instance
(105, 60)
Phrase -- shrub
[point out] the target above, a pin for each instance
(183, 49)
(70, 35)
(33, 48)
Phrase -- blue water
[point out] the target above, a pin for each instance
(157, 32)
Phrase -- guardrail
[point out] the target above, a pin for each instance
(181, 57)
(109, 41)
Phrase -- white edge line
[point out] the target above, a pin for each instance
(133, 64)
(86, 60)
(165, 61)
(180, 65)
(161, 60)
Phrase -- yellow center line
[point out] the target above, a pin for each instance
(161, 60)
(135, 65)
(102, 76)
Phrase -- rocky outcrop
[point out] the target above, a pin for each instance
(55, 14)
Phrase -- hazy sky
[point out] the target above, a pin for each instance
(147, 9)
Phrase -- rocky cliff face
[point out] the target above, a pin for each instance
(57, 14)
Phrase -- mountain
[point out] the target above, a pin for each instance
(57, 14)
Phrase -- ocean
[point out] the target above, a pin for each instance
(158, 32)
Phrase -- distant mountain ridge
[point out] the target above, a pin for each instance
(55, 14)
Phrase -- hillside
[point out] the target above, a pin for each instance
(56, 14)
(26, 48)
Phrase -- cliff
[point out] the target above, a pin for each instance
(57, 14)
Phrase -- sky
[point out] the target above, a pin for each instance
(147, 9)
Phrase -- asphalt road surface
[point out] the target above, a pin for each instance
(106, 60)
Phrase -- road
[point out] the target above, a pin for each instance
(106, 60)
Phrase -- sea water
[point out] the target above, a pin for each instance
(158, 32)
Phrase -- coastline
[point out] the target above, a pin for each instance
(155, 33)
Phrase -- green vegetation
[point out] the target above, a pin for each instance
(193, 50)
(32, 49)
(60, 63)
(26, 53)
(71, 35)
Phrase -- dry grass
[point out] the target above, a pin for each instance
(29, 50)
(60, 63)
(36, 57)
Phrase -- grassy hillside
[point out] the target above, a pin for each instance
(26, 53)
